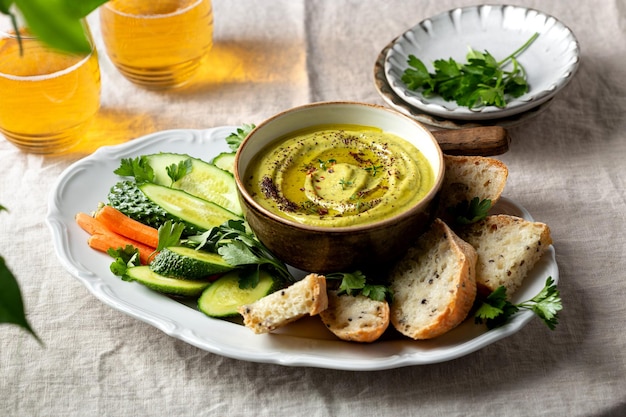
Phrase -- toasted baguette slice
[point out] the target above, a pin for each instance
(307, 296)
(508, 248)
(355, 318)
(433, 284)
(467, 177)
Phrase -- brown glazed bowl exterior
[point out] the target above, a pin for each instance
(339, 249)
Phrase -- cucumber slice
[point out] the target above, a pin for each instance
(205, 180)
(225, 161)
(223, 297)
(184, 288)
(186, 263)
(191, 210)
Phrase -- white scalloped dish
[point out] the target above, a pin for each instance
(550, 61)
(305, 343)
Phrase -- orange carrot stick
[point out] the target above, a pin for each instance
(121, 224)
(105, 241)
(90, 224)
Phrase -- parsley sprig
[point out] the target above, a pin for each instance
(482, 81)
(241, 248)
(496, 309)
(235, 138)
(468, 212)
(140, 169)
(355, 283)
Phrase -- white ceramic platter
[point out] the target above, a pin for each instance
(305, 343)
(550, 62)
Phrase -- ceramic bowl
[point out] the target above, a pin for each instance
(550, 61)
(338, 249)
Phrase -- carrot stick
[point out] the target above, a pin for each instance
(105, 241)
(121, 224)
(90, 224)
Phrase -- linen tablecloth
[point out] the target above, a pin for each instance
(567, 167)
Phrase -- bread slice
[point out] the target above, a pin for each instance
(355, 318)
(508, 248)
(433, 284)
(467, 177)
(307, 296)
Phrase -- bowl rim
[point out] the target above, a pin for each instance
(449, 109)
(403, 215)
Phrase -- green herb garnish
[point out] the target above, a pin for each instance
(234, 139)
(138, 168)
(355, 283)
(178, 171)
(124, 258)
(468, 212)
(482, 81)
(496, 309)
(241, 248)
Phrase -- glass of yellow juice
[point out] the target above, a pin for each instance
(157, 43)
(47, 97)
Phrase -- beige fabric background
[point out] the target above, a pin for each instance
(567, 168)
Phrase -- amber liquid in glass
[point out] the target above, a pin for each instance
(46, 96)
(157, 43)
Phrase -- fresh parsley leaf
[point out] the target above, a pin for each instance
(178, 171)
(169, 234)
(546, 304)
(241, 248)
(138, 168)
(352, 283)
(468, 212)
(496, 310)
(481, 81)
(234, 139)
(124, 258)
(355, 283)
(377, 292)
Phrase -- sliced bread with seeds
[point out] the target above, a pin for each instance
(355, 318)
(467, 177)
(307, 296)
(508, 248)
(434, 284)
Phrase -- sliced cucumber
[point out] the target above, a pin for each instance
(185, 288)
(223, 297)
(225, 161)
(205, 180)
(186, 263)
(191, 210)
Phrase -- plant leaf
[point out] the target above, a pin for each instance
(11, 304)
(58, 23)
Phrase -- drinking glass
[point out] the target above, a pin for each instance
(157, 43)
(47, 98)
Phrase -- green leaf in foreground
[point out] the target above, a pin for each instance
(496, 310)
(58, 23)
(11, 304)
(234, 139)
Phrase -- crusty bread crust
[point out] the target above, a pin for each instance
(307, 296)
(434, 284)
(467, 177)
(355, 318)
(508, 248)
